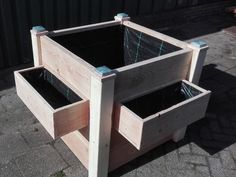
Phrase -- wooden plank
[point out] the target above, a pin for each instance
(83, 28)
(34, 101)
(128, 124)
(198, 58)
(134, 80)
(66, 65)
(57, 122)
(36, 45)
(101, 105)
(78, 143)
(71, 117)
(156, 34)
(174, 118)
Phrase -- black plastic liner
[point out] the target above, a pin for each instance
(162, 99)
(56, 93)
(114, 46)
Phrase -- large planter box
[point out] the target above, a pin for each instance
(54, 104)
(160, 113)
(118, 72)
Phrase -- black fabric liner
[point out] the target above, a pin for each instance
(114, 46)
(56, 93)
(161, 99)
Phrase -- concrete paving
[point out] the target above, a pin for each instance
(208, 149)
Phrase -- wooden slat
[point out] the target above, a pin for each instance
(71, 117)
(156, 34)
(128, 124)
(174, 118)
(84, 28)
(65, 64)
(36, 104)
(142, 77)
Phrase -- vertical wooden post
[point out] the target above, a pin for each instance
(199, 53)
(101, 105)
(36, 32)
(122, 17)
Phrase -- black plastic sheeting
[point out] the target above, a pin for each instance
(114, 46)
(56, 93)
(161, 99)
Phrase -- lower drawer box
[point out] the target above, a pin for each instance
(54, 104)
(160, 113)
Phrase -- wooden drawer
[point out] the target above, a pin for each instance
(59, 109)
(159, 114)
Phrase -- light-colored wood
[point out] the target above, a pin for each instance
(162, 123)
(156, 34)
(198, 58)
(36, 46)
(67, 65)
(179, 134)
(101, 106)
(142, 77)
(84, 28)
(128, 124)
(78, 143)
(57, 122)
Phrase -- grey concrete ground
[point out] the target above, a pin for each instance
(208, 149)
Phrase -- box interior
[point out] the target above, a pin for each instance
(56, 93)
(114, 46)
(162, 99)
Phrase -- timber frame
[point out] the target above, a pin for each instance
(98, 144)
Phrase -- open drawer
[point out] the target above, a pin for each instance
(59, 109)
(159, 114)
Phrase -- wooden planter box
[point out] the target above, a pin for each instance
(114, 63)
(54, 104)
(160, 113)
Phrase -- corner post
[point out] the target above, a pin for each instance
(199, 54)
(36, 32)
(101, 106)
(122, 17)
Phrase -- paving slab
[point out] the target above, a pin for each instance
(10, 170)
(40, 162)
(11, 146)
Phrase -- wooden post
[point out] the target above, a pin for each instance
(101, 105)
(36, 32)
(122, 17)
(199, 54)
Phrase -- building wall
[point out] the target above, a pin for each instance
(18, 16)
